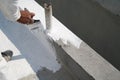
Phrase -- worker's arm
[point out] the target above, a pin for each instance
(12, 12)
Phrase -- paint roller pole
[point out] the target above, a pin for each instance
(48, 15)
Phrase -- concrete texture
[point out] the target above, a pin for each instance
(71, 64)
(92, 62)
(69, 70)
(94, 24)
(112, 5)
(35, 54)
(62, 74)
(89, 21)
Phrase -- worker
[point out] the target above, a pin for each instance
(14, 13)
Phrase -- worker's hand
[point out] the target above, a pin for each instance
(26, 17)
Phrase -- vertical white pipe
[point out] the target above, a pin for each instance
(48, 16)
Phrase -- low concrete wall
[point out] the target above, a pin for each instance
(70, 70)
(71, 65)
(97, 26)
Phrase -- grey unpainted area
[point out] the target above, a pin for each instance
(93, 23)
(70, 70)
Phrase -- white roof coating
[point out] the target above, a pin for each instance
(31, 53)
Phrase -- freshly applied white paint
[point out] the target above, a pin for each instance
(31, 52)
